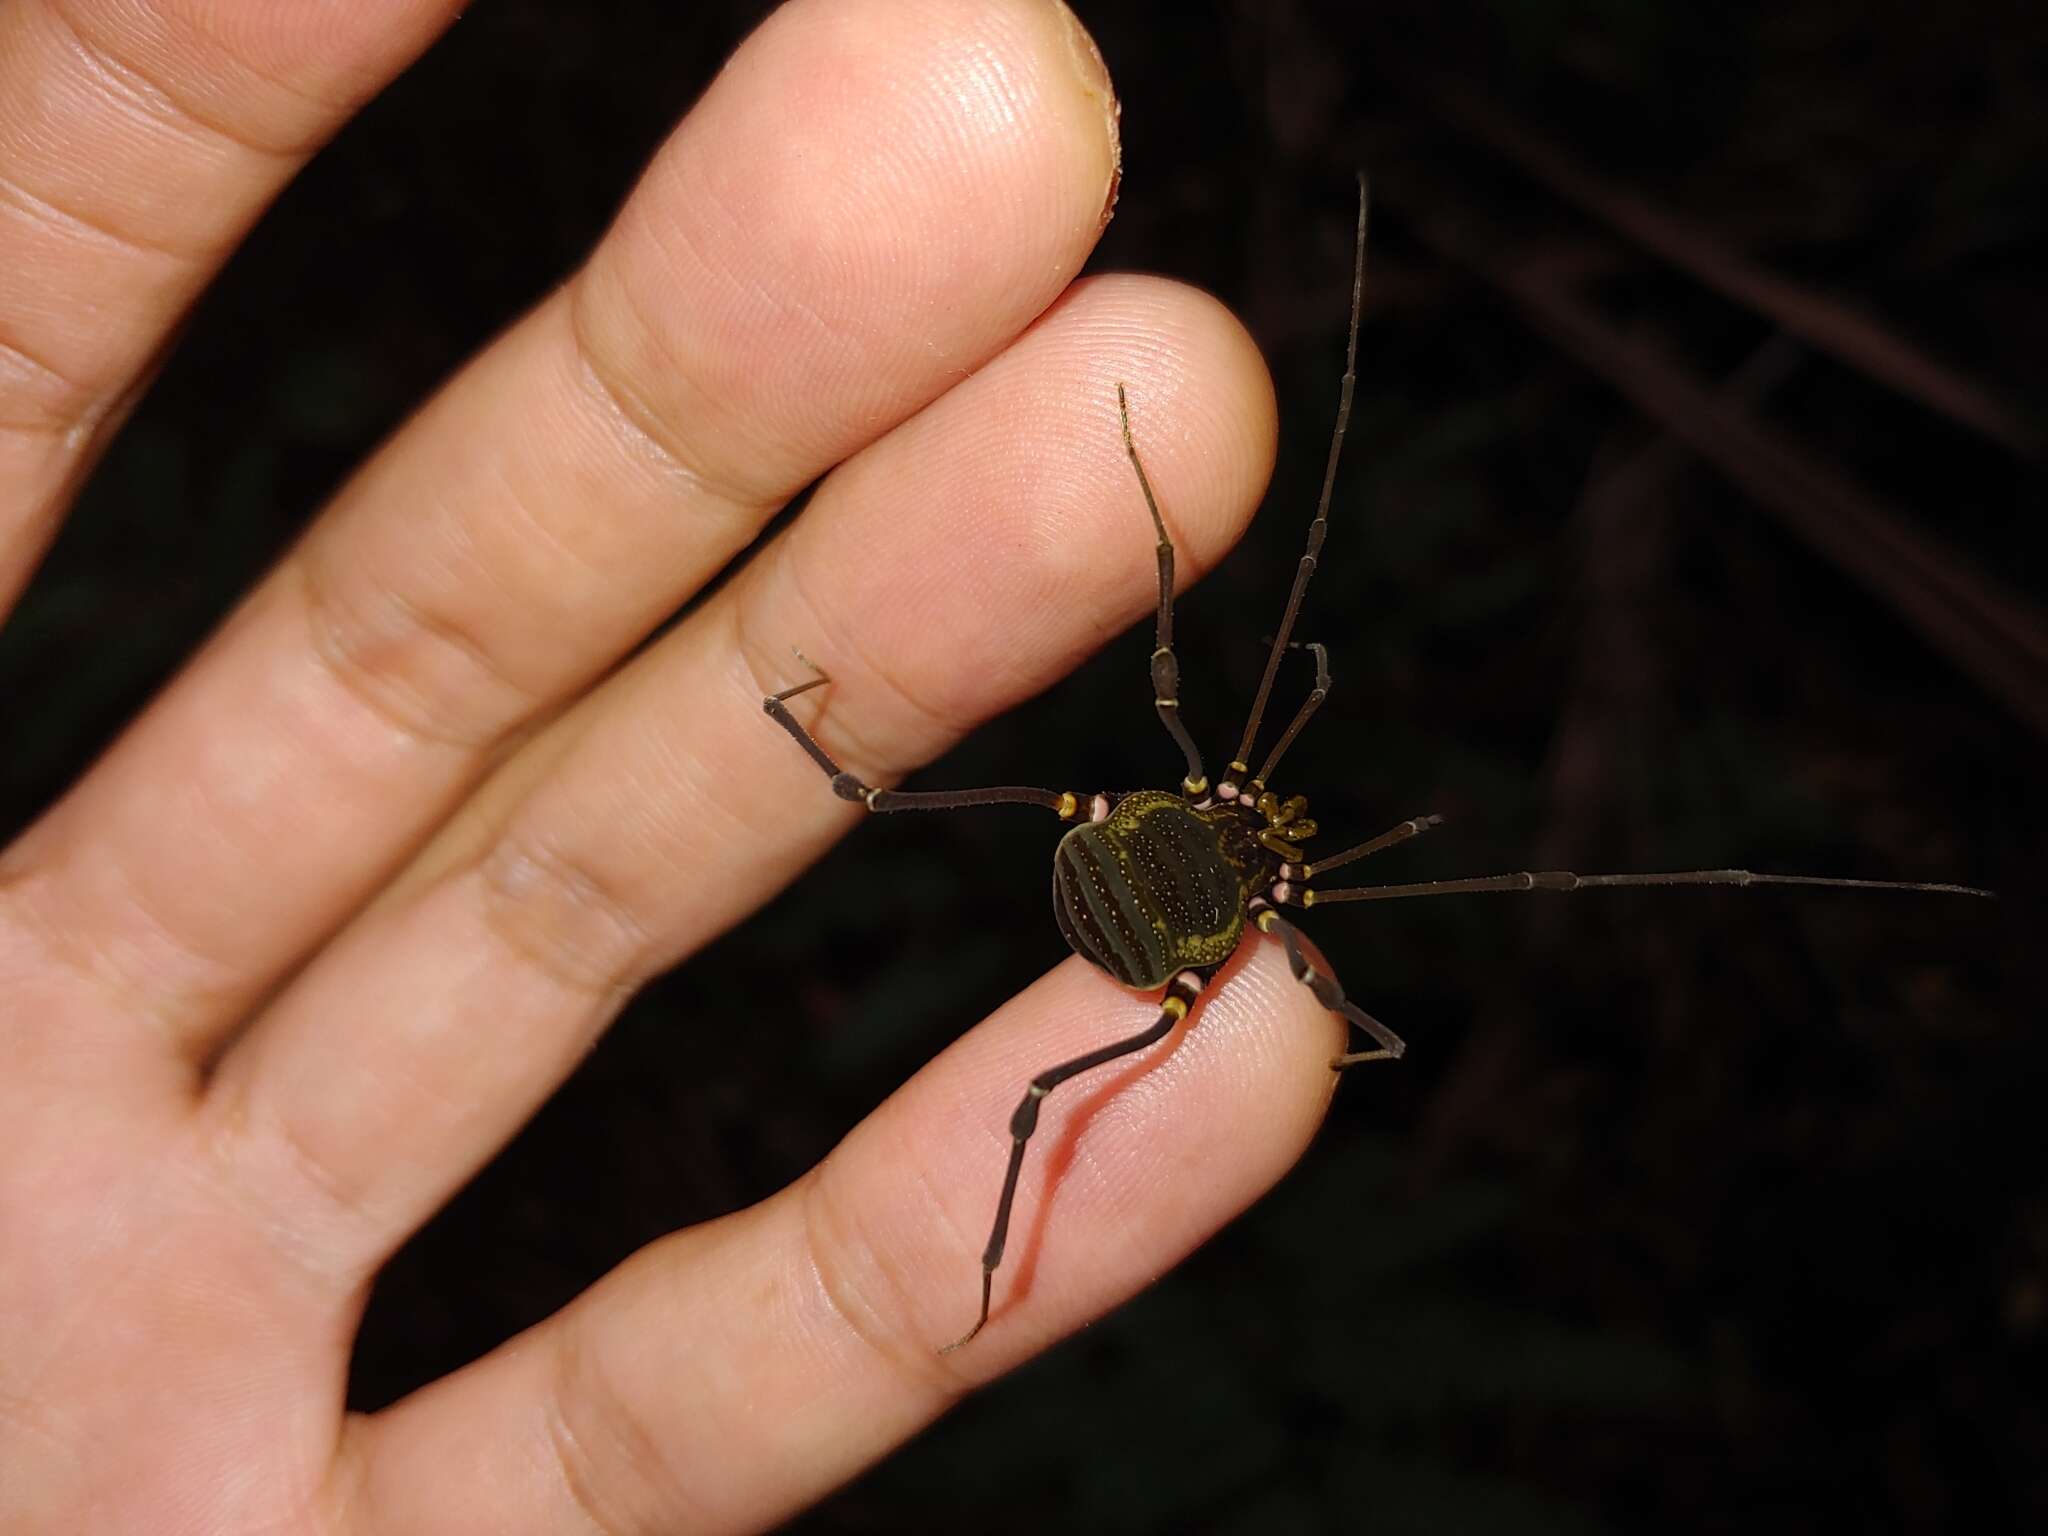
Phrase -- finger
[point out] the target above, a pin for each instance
(955, 567)
(858, 211)
(731, 1374)
(137, 145)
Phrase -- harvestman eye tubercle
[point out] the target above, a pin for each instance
(1158, 887)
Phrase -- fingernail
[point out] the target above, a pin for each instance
(1093, 75)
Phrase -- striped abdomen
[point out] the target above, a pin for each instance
(1147, 892)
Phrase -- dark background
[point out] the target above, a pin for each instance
(1701, 1210)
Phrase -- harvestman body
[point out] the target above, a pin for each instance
(1158, 887)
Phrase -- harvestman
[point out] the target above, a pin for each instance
(1157, 887)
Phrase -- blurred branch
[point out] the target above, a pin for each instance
(1826, 324)
(1993, 635)
(1620, 527)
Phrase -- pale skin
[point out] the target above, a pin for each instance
(353, 895)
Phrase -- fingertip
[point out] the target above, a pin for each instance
(1202, 406)
(1134, 1166)
(737, 1369)
(983, 548)
(872, 197)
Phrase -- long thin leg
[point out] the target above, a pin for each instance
(1314, 702)
(1328, 993)
(1064, 803)
(1165, 668)
(1228, 788)
(1565, 880)
(1414, 826)
(1180, 994)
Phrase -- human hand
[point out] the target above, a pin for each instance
(360, 888)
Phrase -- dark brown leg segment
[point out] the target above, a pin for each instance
(1182, 992)
(846, 786)
(1165, 667)
(1413, 827)
(1328, 993)
(1565, 880)
(1314, 702)
(1317, 528)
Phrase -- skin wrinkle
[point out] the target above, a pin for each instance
(649, 819)
(29, 1415)
(285, 1232)
(534, 545)
(154, 99)
(691, 783)
(338, 1505)
(1098, 1186)
(530, 929)
(753, 683)
(396, 704)
(577, 1468)
(60, 408)
(84, 1299)
(61, 220)
(527, 573)
(129, 992)
(834, 1237)
(186, 25)
(959, 1239)
(448, 635)
(765, 300)
(842, 639)
(861, 758)
(686, 783)
(646, 432)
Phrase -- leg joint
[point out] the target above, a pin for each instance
(1024, 1120)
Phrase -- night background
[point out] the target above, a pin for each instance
(1692, 516)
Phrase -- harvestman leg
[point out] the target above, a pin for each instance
(1180, 994)
(1413, 827)
(1328, 993)
(1331, 996)
(846, 786)
(1317, 529)
(1310, 705)
(1565, 880)
(1165, 668)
